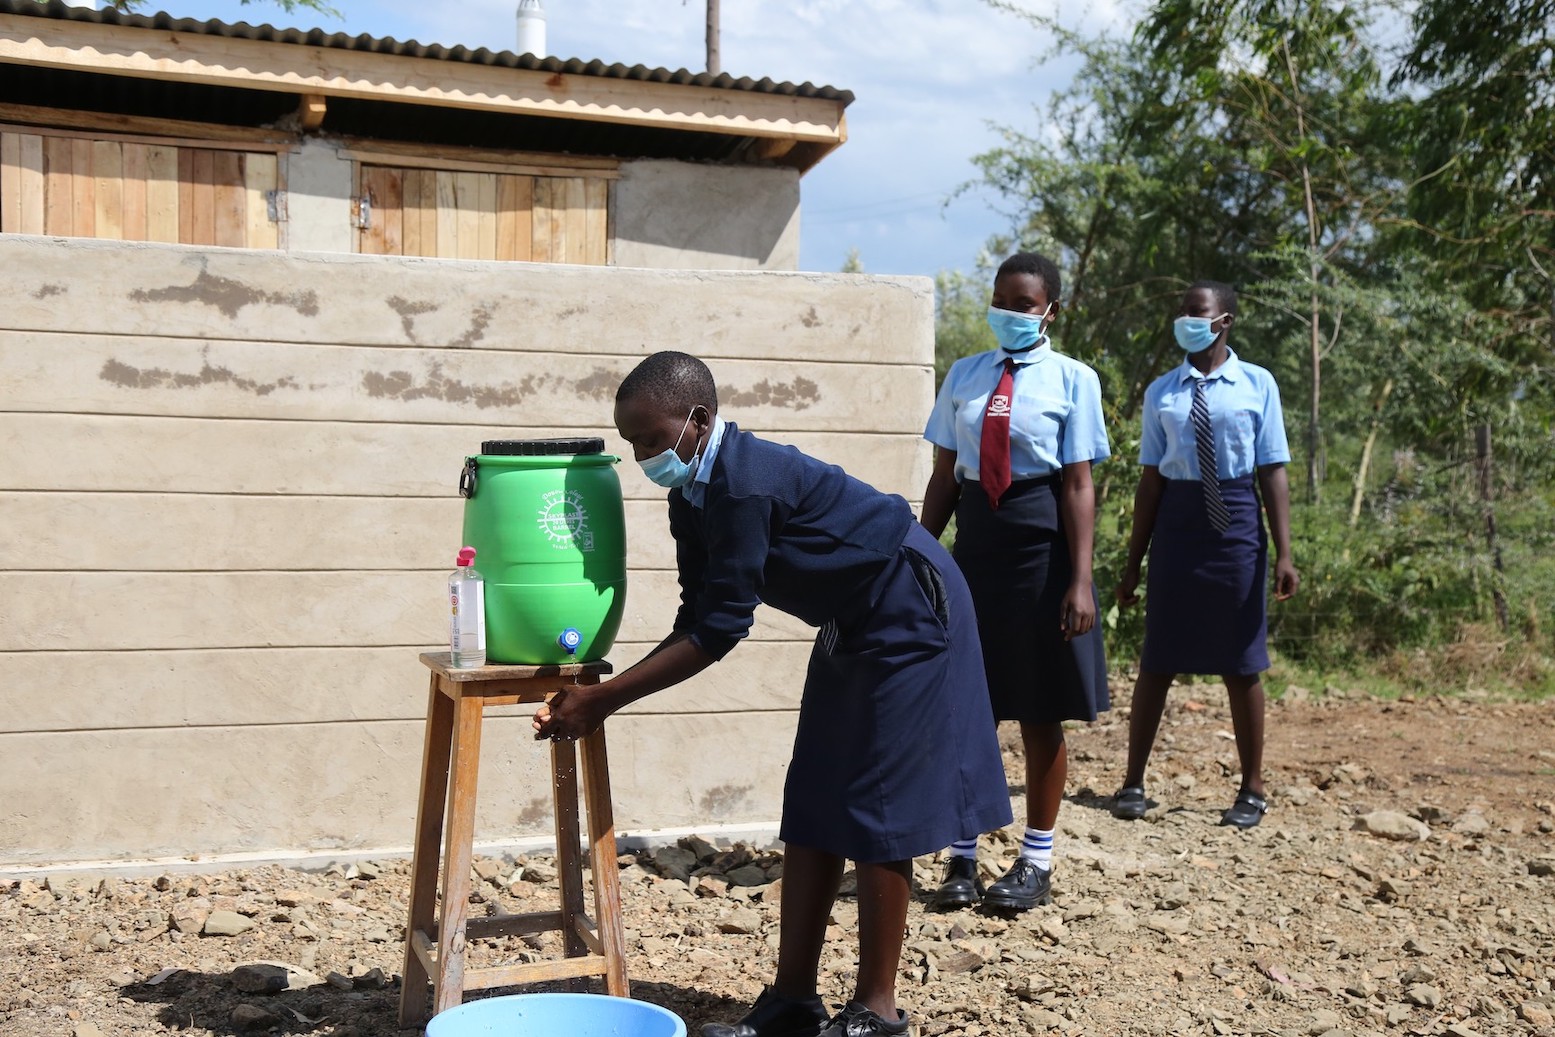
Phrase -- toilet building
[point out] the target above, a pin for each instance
(266, 289)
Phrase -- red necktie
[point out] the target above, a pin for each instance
(993, 455)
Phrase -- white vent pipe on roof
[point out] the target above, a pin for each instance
(531, 28)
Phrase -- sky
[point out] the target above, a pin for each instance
(933, 79)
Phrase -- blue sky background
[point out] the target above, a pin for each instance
(931, 77)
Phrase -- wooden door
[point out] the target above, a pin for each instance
(136, 190)
(460, 214)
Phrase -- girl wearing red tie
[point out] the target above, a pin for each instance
(1016, 430)
(1210, 427)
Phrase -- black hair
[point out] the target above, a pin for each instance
(1038, 266)
(1225, 295)
(675, 381)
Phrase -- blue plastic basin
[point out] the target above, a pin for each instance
(557, 1015)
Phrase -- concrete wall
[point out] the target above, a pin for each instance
(319, 185)
(683, 216)
(227, 485)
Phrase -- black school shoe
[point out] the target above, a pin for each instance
(857, 1021)
(1022, 888)
(774, 1015)
(1247, 811)
(961, 888)
(1130, 804)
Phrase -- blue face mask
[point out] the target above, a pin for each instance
(667, 469)
(1017, 332)
(1195, 334)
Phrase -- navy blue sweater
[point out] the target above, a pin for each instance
(780, 527)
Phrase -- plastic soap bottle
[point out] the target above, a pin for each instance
(467, 625)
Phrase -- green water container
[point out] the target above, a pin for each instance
(549, 530)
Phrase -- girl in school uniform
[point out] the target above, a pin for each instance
(1210, 426)
(895, 752)
(1016, 431)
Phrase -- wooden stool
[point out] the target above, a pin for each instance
(435, 950)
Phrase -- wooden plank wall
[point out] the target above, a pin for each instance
(227, 481)
(474, 215)
(136, 190)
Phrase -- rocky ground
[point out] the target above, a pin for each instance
(1401, 884)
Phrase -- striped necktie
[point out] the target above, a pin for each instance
(1209, 471)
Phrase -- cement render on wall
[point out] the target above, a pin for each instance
(319, 186)
(685, 216)
(227, 483)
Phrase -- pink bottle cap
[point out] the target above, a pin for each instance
(466, 556)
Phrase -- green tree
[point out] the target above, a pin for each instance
(1249, 142)
(960, 326)
(1269, 143)
(1486, 76)
(1296, 87)
(1488, 122)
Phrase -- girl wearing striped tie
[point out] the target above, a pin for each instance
(1016, 430)
(1209, 426)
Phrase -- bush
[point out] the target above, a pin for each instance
(1407, 593)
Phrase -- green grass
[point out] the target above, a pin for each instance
(1441, 670)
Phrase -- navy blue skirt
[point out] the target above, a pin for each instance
(1016, 561)
(1205, 606)
(896, 753)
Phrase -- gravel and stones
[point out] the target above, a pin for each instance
(1403, 883)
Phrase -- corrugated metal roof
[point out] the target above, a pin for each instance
(411, 48)
(373, 119)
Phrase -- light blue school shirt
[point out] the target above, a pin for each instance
(695, 491)
(1055, 417)
(1244, 412)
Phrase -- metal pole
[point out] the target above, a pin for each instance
(713, 64)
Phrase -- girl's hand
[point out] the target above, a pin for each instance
(570, 714)
(1127, 587)
(1077, 613)
(1286, 580)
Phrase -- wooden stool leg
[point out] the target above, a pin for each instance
(607, 879)
(448, 984)
(425, 851)
(569, 868)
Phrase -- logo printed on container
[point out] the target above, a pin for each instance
(565, 521)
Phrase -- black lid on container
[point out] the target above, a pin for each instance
(542, 447)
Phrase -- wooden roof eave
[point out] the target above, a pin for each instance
(815, 126)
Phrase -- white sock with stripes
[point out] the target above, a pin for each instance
(964, 848)
(1037, 847)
